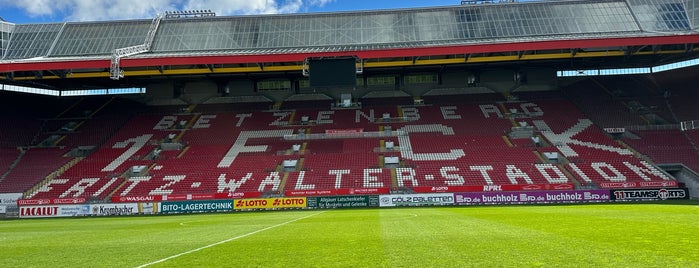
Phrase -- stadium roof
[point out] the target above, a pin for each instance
(634, 26)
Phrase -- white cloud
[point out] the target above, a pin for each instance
(319, 3)
(34, 7)
(244, 7)
(95, 10)
(89, 10)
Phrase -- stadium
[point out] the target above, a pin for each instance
(443, 108)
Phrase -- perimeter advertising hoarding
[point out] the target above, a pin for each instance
(10, 199)
(639, 184)
(531, 197)
(341, 191)
(493, 188)
(54, 211)
(51, 201)
(196, 206)
(403, 200)
(114, 209)
(269, 203)
(650, 194)
(351, 201)
(148, 208)
(183, 197)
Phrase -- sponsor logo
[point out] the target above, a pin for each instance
(137, 198)
(38, 211)
(270, 203)
(531, 187)
(114, 209)
(650, 194)
(25, 202)
(10, 198)
(196, 206)
(236, 195)
(251, 203)
(441, 188)
(416, 200)
(385, 200)
(492, 188)
(615, 130)
(563, 187)
(69, 201)
(288, 201)
(531, 197)
(422, 199)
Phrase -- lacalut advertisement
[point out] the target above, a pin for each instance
(54, 211)
(531, 197)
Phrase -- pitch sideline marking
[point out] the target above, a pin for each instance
(227, 240)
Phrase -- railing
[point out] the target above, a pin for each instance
(653, 127)
(325, 136)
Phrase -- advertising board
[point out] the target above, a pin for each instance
(493, 188)
(148, 208)
(269, 203)
(639, 184)
(649, 194)
(402, 200)
(54, 211)
(531, 197)
(341, 191)
(114, 209)
(183, 197)
(52, 201)
(351, 201)
(10, 199)
(196, 206)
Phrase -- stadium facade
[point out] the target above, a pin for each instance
(532, 30)
(481, 75)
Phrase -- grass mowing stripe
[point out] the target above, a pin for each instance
(228, 240)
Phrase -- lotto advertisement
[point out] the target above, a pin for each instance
(269, 203)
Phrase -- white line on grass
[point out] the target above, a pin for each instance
(226, 241)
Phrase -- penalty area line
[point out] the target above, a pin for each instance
(227, 240)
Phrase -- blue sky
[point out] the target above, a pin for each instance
(39, 11)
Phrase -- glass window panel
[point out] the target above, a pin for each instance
(389, 28)
(100, 38)
(32, 40)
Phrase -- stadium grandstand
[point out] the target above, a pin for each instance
(479, 96)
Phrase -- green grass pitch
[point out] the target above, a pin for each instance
(601, 235)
